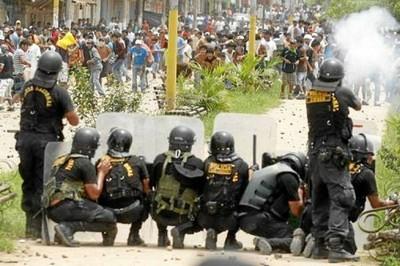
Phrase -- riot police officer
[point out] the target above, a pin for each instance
(178, 180)
(363, 179)
(330, 129)
(73, 189)
(272, 193)
(227, 177)
(44, 105)
(126, 184)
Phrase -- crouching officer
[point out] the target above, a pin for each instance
(330, 129)
(363, 179)
(126, 184)
(178, 179)
(43, 107)
(73, 189)
(272, 193)
(227, 177)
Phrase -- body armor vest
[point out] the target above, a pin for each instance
(171, 195)
(66, 189)
(39, 111)
(218, 194)
(121, 181)
(262, 187)
(324, 116)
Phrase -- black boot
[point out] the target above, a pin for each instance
(65, 233)
(163, 240)
(28, 223)
(134, 237)
(320, 251)
(337, 252)
(36, 226)
(211, 239)
(108, 231)
(177, 238)
(231, 243)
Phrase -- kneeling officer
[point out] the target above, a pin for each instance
(126, 184)
(73, 189)
(227, 177)
(178, 181)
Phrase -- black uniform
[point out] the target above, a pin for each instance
(42, 112)
(364, 183)
(123, 191)
(80, 209)
(330, 128)
(264, 205)
(226, 182)
(175, 199)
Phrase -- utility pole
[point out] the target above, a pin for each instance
(172, 54)
(56, 11)
(195, 7)
(253, 24)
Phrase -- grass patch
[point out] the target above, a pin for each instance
(12, 219)
(257, 102)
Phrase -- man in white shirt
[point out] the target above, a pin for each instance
(32, 55)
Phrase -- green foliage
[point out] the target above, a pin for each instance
(119, 97)
(391, 261)
(12, 220)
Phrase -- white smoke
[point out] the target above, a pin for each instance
(364, 45)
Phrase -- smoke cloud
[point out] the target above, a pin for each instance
(366, 42)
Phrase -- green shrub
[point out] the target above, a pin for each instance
(12, 219)
(119, 97)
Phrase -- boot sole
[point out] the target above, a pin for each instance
(263, 247)
(177, 242)
(211, 240)
(63, 238)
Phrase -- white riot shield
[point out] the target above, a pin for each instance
(53, 151)
(243, 127)
(150, 133)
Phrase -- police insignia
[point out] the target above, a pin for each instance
(314, 96)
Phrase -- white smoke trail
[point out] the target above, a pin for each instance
(363, 42)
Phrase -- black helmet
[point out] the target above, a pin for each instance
(360, 146)
(222, 143)
(85, 141)
(119, 142)
(331, 70)
(49, 65)
(181, 138)
(298, 162)
(50, 62)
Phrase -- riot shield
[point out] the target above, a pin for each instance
(150, 133)
(53, 151)
(243, 127)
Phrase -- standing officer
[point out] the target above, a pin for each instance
(73, 189)
(272, 193)
(178, 181)
(126, 184)
(44, 105)
(227, 177)
(330, 129)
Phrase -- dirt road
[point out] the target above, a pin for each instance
(292, 135)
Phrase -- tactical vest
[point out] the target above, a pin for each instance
(219, 194)
(122, 181)
(39, 111)
(324, 116)
(171, 195)
(261, 191)
(66, 189)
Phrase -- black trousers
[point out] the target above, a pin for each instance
(31, 147)
(263, 224)
(181, 222)
(80, 211)
(332, 194)
(218, 222)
